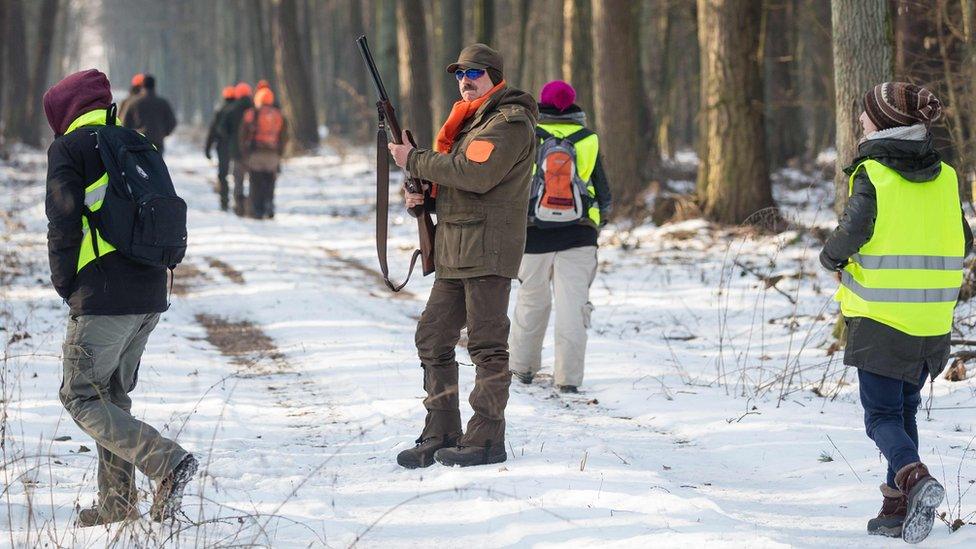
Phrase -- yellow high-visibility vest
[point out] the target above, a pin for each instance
(94, 194)
(908, 274)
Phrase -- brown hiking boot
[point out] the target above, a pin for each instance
(169, 495)
(924, 495)
(422, 455)
(467, 456)
(94, 516)
(892, 515)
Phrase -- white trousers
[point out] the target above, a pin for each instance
(567, 276)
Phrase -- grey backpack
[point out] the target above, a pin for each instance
(559, 196)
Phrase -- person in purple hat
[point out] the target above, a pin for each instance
(570, 200)
(114, 304)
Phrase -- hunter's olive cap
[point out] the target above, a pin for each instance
(477, 56)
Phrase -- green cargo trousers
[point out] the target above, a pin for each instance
(481, 304)
(101, 364)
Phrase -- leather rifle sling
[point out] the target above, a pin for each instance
(383, 209)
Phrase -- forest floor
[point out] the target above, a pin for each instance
(712, 413)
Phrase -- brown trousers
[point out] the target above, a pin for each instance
(481, 304)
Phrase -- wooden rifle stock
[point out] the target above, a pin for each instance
(389, 129)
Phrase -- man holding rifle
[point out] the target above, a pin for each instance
(481, 168)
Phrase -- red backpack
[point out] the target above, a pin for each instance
(268, 124)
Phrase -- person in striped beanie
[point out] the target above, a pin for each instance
(896, 104)
(898, 254)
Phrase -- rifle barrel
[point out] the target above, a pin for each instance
(371, 66)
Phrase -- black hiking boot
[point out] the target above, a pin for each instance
(524, 377)
(169, 495)
(467, 456)
(422, 455)
(93, 516)
(924, 495)
(568, 389)
(892, 515)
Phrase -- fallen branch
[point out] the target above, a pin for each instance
(770, 282)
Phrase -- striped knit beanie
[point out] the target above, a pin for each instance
(894, 104)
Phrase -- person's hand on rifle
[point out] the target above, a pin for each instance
(414, 199)
(401, 152)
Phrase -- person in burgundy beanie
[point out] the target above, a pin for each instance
(72, 97)
(114, 305)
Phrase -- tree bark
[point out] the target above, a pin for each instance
(38, 81)
(862, 59)
(414, 72)
(484, 21)
(450, 40)
(618, 106)
(784, 121)
(578, 51)
(296, 85)
(15, 108)
(733, 175)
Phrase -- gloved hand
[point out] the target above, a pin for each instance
(206, 152)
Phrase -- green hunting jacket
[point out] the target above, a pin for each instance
(483, 190)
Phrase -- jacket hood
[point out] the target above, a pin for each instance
(571, 115)
(916, 161)
(72, 97)
(509, 96)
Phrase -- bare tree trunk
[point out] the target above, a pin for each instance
(733, 175)
(484, 21)
(293, 77)
(784, 121)
(15, 111)
(386, 57)
(578, 50)
(618, 104)
(38, 81)
(862, 59)
(450, 40)
(414, 73)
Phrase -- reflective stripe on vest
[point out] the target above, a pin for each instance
(908, 274)
(586, 153)
(94, 195)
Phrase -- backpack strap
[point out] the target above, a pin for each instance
(110, 114)
(541, 133)
(578, 135)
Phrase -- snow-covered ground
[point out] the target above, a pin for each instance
(711, 414)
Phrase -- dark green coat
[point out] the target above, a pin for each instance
(481, 205)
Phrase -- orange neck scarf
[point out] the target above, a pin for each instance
(460, 112)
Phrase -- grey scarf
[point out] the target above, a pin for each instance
(918, 132)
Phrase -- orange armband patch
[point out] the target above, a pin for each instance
(479, 151)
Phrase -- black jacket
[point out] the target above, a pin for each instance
(151, 116)
(540, 241)
(871, 345)
(112, 284)
(215, 135)
(231, 123)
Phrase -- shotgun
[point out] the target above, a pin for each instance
(389, 128)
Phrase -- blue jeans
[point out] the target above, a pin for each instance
(890, 406)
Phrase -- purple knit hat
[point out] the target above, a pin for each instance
(72, 97)
(557, 93)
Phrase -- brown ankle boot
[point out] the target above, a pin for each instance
(924, 495)
(892, 515)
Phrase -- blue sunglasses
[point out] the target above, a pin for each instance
(472, 74)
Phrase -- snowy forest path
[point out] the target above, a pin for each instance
(289, 367)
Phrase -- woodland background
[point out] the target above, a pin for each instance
(751, 86)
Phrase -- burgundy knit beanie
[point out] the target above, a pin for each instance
(894, 104)
(557, 93)
(72, 97)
